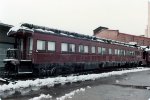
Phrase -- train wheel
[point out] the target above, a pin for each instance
(55, 71)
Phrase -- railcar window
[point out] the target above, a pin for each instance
(132, 53)
(64, 47)
(21, 44)
(40, 45)
(86, 49)
(51, 46)
(99, 50)
(116, 52)
(30, 45)
(71, 47)
(121, 52)
(103, 50)
(93, 49)
(128, 53)
(81, 48)
(110, 51)
(124, 52)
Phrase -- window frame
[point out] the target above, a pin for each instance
(86, 48)
(30, 45)
(48, 46)
(70, 50)
(81, 50)
(38, 46)
(99, 49)
(67, 47)
(110, 51)
(93, 49)
(103, 50)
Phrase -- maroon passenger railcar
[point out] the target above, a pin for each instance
(46, 51)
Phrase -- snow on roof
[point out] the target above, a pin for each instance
(143, 47)
(50, 82)
(18, 28)
(146, 48)
(32, 28)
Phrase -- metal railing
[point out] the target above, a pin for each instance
(16, 54)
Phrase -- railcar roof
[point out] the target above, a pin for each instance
(26, 27)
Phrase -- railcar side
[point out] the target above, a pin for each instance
(73, 54)
(51, 52)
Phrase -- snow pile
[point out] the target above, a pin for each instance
(88, 87)
(66, 96)
(69, 95)
(2, 80)
(148, 88)
(41, 97)
(49, 82)
(117, 81)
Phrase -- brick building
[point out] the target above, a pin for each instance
(5, 42)
(104, 32)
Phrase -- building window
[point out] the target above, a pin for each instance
(64, 47)
(99, 50)
(93, 49)
(51, 46)
(81, 48)
(71, 47)
(86, 49)
(40, 45)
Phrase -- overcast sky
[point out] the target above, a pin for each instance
(82, 16)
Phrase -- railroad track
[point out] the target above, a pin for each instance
(4, 80)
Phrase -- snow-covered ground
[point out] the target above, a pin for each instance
(69, 95)
(66, 96)
(36, 84)
(41, 97)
